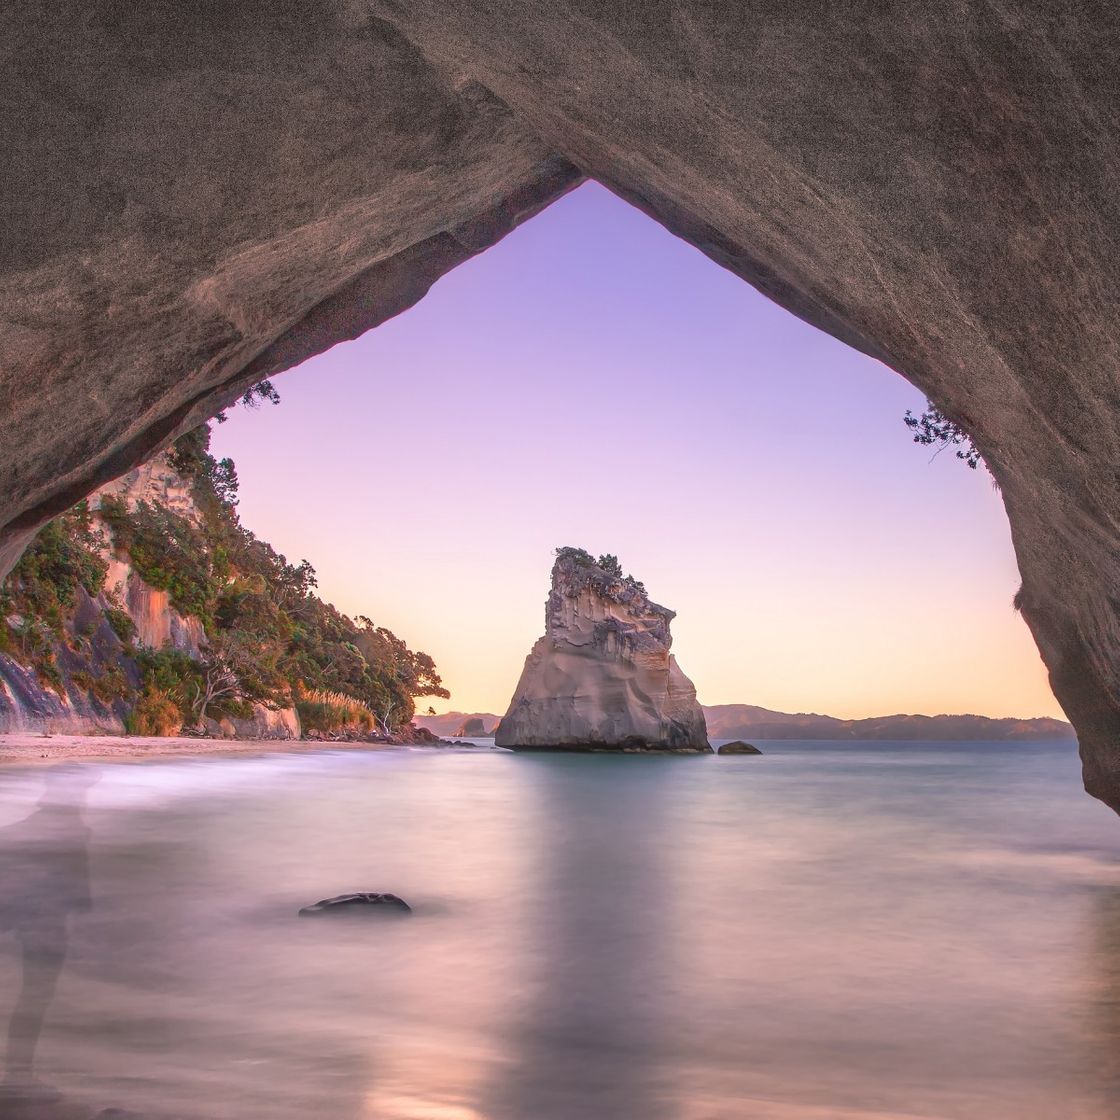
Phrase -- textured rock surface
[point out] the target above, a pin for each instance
(92, 649)
(28, 704)
(602, 677)
(195, 197)
(264, 723)
(472, 729)
(158, 623)
(362, 902)
(738, 747)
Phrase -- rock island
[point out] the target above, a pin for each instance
(602, 677)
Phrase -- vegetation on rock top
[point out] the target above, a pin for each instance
(607, 563)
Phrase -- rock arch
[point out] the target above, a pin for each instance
(195, 196)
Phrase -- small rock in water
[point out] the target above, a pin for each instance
(362, 902)
(738, 747)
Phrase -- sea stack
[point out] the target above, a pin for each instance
(602, 677)
(472, 728)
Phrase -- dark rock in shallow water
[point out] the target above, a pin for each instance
(738, 747)
(364, 902)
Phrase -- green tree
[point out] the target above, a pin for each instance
(610, 565)
(269, 638)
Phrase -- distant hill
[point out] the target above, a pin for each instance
(746, 721)
(738, 721)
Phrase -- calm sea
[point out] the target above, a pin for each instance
(826, 932)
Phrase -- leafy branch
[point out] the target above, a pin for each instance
(933, 429)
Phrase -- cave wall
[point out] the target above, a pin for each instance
(201, 195)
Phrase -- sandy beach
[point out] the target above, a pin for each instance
(31, 747)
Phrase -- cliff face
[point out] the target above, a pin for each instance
(602, 677)
(158, 623)
(96, 674)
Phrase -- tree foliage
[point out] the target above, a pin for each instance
(254, 397)
(40, 592)
(66, 554)
(578, 556)
(608, 562)
(610, 565)
(154, 713)
(169, 552)
(270, 639)
(933, 429)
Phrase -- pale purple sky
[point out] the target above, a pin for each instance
(593, 381)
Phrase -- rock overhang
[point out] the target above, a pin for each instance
(196, 198)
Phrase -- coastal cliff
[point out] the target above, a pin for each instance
(150, 609)
(158, 624)
(602, 677)
(85, 677)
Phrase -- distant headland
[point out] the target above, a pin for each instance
(745, 721)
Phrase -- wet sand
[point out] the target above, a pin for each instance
(30, 747)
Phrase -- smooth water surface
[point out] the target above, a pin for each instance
(826, 931)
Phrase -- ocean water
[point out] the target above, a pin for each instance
(826, 932)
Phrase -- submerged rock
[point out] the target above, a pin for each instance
(602, 677)
(362, 902)
(738, 747)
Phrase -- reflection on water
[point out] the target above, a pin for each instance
(855, 932)
(586, 1037)
(44, 865)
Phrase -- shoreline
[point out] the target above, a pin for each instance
(34, 748)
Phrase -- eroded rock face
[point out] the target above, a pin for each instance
(195, 198)
(472, 728)
(602, 677)
(70, 707)
(158, 623)
(94, 667)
